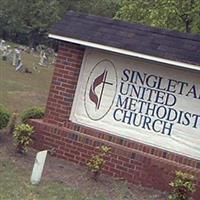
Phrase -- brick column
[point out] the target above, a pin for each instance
(64, 83)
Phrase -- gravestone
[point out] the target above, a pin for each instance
(54, 59)
(32, 51)
(3, 45)
(16, 57)
(19, 63)
(43, 59)
(9, 55)
(3, 49)
(4, 55)
(38, 167)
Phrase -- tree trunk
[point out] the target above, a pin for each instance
(188, 19)
(188, 26)
(33, 39)
(4, 35)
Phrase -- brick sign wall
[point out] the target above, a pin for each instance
(134, 161)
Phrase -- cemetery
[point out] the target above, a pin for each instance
(14, 56)
(26, 86)
(111, 115)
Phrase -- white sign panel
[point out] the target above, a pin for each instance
(143, 101)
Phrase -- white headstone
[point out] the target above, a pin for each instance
(4, 53)
(10, 55)
(2, 45)
(32, 51)
(38, 167)
(19, 64)
(43, 59)
(54, 59)
(16, 56)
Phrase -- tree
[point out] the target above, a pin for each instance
(97, 7)
(180, 15)
(37, 17)
(32, 18)
(9, 18)
(105, 8)
(29, 21)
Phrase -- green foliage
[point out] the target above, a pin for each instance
(32, 113)
(106, 8)
(181, 15)
(96, 162)
(4, 117)
(27, 17)
(22, 136)
(182, 186)
(31, 20)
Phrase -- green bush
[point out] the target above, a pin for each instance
(22, 136)
(182, 186)
(96, 162)
(32, 113)
(4, 117)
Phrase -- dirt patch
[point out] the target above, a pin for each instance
(77, 177)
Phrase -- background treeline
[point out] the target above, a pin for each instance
(28, 21)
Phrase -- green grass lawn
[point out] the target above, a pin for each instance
(19, 91)
(15, 185)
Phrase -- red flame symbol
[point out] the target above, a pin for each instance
(97, 81)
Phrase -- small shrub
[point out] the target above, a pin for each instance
(4, 117)
(182, 186)
(22, 136)
(32, 113)
(96, 162)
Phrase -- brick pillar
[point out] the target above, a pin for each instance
(64, 83)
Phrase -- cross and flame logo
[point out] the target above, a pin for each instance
(100, 90)
(100, 80)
